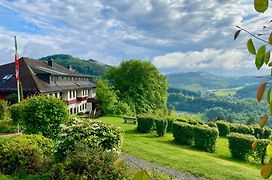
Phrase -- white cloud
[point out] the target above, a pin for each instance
(206, 60)
(110, 31)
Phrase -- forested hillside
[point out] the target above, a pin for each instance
(89, 67)
(204, 81)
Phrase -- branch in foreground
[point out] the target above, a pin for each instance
(242, 29)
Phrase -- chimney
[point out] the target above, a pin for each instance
(70, 67)
(50, 62)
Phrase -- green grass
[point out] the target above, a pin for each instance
(225, 92)
(162, 150)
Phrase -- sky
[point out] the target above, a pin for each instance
(175, 35)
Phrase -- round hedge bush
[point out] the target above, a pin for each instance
(145, 123)
(261, 133)
(161, 126)
(240, 145)
(241, 128)
(205, 137)
(29, 154)
(223, 128)
(89, 132)
(183, 133)
(44, 114)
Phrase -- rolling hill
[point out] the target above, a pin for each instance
(206, 81)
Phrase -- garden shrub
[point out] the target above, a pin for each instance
(92, 133)
(183, 133)
(44, 114)
(240, 145)
(7, 126)
(29, 154)
(88, 163)
(261, 133)
(260, 153)
(223, 128)
(12, 98)
(3, 109)
(145, 123)
(205, 137)
(16, 111)
(161, 126)
(241, 128)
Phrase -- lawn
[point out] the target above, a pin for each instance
(162, 150)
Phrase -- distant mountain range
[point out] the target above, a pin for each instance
(89, 66)
(205, 81)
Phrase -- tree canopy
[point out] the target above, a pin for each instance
(140, 85)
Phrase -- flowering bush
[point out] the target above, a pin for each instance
(88, 132)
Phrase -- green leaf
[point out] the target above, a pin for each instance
(268, 97)
(261, 5)
(267, 57)
(269, 150)
(263, 120)
(260, 91)
(251, 47)
(260, 57)
(141, 175)
(118, 163)
(267, 170)
(270, 64)
(236, 34)
(270, 39)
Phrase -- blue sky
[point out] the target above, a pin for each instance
(175, 35)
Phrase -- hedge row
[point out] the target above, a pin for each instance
(241, 147)
(201, 136)
(225, 128)
(147, 124)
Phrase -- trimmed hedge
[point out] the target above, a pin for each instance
(183, 133)
(205, 137)
(212, 124)
(223, 128)
(260, 153)
(240, 145)
(261, 133)
(161, 126)
(43, 115)
(145, 124)
(241, 128)
(29, 154)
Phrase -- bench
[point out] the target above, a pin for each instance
(130, 120)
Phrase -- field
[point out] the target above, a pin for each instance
(162, 150)
(225, 92)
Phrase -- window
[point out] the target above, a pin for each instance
(6, 77)
(71, 110)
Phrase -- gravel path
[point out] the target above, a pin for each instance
(158, 168)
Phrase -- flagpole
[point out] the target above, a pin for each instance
(17, 71)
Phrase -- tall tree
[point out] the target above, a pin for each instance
(139, 84)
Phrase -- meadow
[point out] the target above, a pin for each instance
(162, 150)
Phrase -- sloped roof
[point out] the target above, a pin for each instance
(31, 83)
